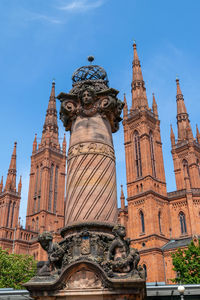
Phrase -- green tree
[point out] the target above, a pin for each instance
(15, 269)
(186, 263)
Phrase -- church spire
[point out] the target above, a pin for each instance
(139, 98)
(50, 128)
(122, 198)
(11, 177)
(154, 106)
(184, 128)
(125, 110)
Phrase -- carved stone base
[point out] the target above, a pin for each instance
(93, 261)
(86, 280)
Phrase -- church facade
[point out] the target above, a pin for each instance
(157, 222)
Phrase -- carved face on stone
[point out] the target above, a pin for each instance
(45, 239)
(87, 98)
(119, 230)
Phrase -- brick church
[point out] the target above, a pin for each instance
(157, 222)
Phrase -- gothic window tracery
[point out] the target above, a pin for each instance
(182, 222)
(137, 154)
(153, 165)
(142, 222)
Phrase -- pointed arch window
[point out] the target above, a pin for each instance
(40, 184)
(153, 164)
(37, 224)
(36, 180)
(142, 222)
(159, 221)
(55, 190)
(8, 215)
(137, 154)
(51, 188)
(182, 223)
(145, 270)
(12, 216)
(186, 168)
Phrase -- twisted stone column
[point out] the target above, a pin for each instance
(91, 115)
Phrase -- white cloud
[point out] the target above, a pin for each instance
(42, 17)
(81, 5)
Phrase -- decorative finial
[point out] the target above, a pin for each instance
(90, 58)
(177, 78)
(53, 81)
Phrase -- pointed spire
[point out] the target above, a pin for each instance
(125, 109)
(189, 134)
(179, 98)
(172, 136)
(64, 144)
(1, 184)
(122, 198)
(154, 106)
(11, 177)
(139, 98)
(197, 134)
(50, 128)
(35, 143)
(184, 128)
(20, 185)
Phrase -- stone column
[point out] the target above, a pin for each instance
(91, 112)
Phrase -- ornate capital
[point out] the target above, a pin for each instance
(89, 98)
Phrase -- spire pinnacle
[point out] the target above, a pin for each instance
(1, 184)
(139, 98)
(64, 144)
(122, 198)
(20, 185)
(172, 136)
(197, 134)
(35, 143)
(178, 89)
(11, 177)
(182, 116)
(154, 105)
(125, 109)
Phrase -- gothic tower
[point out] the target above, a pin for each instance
(186, 158)
(148, 218)
(45, 210)
(10, 196)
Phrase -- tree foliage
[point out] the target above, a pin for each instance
(15, 269)
(186, 264)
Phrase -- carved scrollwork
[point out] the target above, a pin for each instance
(91, 148)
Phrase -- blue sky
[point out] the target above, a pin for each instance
(46, 39)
